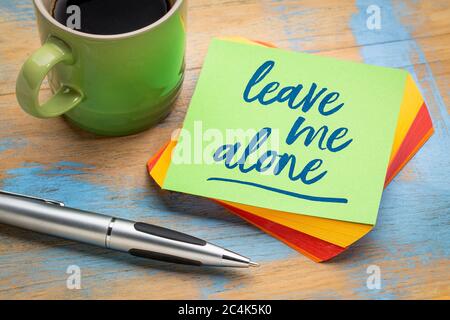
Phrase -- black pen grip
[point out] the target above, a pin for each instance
(168, 234)
(163, 257)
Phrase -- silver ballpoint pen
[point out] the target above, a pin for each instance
(137, 238)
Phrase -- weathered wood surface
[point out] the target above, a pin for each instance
(51, 159)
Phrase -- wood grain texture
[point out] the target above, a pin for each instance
(52, 159)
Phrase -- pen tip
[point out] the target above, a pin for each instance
(253, 264)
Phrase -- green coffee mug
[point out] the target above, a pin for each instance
(106, 84)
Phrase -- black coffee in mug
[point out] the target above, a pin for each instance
(108, 17)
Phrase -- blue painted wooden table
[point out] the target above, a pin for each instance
(51, 159)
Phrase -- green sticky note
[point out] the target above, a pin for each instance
(288, 131)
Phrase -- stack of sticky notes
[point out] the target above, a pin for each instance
(299, 145)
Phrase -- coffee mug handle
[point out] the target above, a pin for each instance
(33, 73)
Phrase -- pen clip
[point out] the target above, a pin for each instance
(58, 203)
